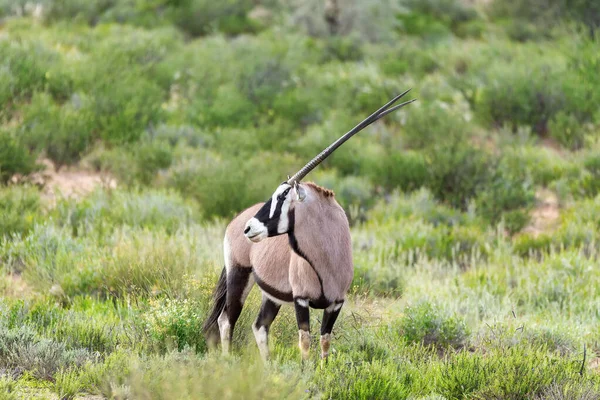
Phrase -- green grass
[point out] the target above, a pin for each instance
(467, 285)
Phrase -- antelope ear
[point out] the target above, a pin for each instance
(300, 192)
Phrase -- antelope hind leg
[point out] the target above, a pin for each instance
(268, 312)
(329, 316)
(303, 319)
(239, 283)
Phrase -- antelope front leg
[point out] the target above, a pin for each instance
(303, 319)
(329, 316)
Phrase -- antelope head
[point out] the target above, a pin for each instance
(273, 217)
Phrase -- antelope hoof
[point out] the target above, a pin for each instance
(304, 344)
(325, 344)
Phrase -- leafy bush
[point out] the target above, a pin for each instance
(547, 13)
(63, 133)
(427, 324)
(23, 68)
(434, 17)
(567, 130)
(457, 172)
(376, 379)
(20, 209)
(591, 181)
(507, 196)
(519, 96)
(175, 324)
(405, 170)
(200, 17)
(22, 349)
(14, 158)
(222, 187)
(107, 210)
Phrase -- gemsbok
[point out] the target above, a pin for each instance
(311, 267)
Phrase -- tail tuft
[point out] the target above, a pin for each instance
(210, 327)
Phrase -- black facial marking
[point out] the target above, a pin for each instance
(272, 222)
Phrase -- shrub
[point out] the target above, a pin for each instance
(591, 181)
(14, 158)
(105, 211)
(376, 379)
(20, 209)
(405, 170)
(427, 324)
(541, 165)
(200, 17)
(225, 186)
(547, 13)
(353, 193)
(187, 375)
(457, 172)
(519, 96)
(175, 324)
(124, 110)
(24, 65)
(567, 130)
(508, 197)
(63, 133)
(22, 349)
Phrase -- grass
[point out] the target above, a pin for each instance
(467, 284)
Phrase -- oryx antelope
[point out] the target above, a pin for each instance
(309, 267)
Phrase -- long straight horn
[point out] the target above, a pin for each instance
(381, 112)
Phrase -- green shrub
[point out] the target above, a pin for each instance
(405, 170)
(541, 165)
(548, 13)
(226, 186)
(426, 323)
(8, 388)
(377, 379)
(567, 130)
(63, 133)
(105, 211)
(457, 172)
(526, 245)
(516, 96)
(175, 324)
(591, 181)
(200, 17)
(23, 68)
(22, 349)
(20, 209)
(507, 196)
(67, 384)
(123, 111)
(14, 157)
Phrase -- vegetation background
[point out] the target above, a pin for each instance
(132, 130)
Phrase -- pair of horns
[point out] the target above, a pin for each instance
(382, 112)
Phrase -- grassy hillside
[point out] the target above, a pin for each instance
(132, 130)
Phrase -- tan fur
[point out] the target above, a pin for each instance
(323, 235)
(325, 344)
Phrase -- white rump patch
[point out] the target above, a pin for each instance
(227, 253)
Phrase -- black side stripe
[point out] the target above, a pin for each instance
(279, 295)
(294, 245)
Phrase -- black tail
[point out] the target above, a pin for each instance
(210, 327)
